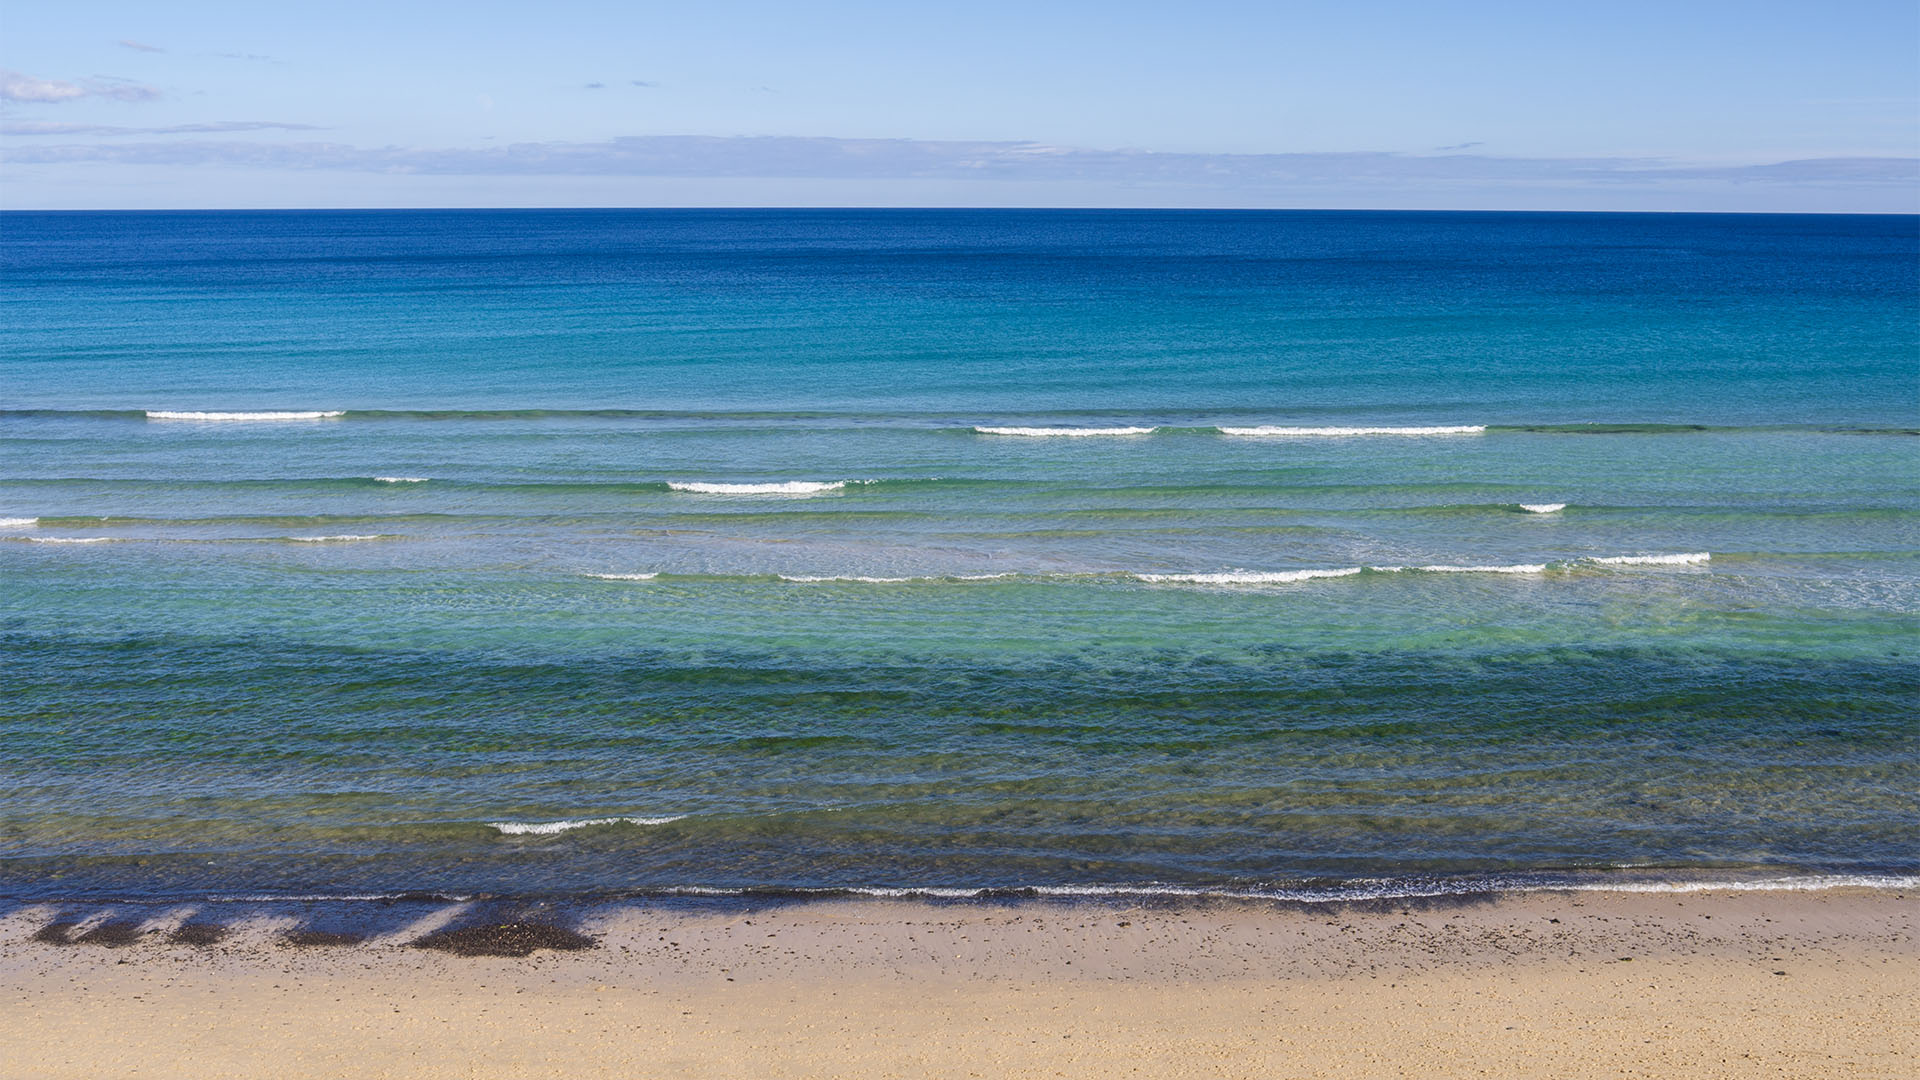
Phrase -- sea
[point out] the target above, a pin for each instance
(586, 555)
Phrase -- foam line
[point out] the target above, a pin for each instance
(1064, 432)
(401, 479)
(1248, 577)
(1693, 558)
(170, 414)
(1517, 568)
(791, 487)
(19, 523)
(550, 828)
(1324, 432)
(1543, 508)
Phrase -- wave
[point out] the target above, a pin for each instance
(1248, 577)
(1321, 432)
(399, 479)
(1543, 508)
(71, 539)
(550, 828)
(1066, 432)
(1354, 891)
(790, 487)
(343, 538)
(1443, 568)
(168, 414)
(816, 579)
(19, 523)
(1692, 558)
(1159, 577)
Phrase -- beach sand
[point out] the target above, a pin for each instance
(1557, 984)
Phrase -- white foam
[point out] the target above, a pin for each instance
(1543, 508)
(791, 487)
(18, 523)
(1248, 577)
(649, 576)
(72, 539)
(1812, 883)
(345, 537)
(168, 414)
(815, 579)
(549, 828)
(1360, 889)
(1693, 558)
(1517, 568)
(401, 479)
(1321, 432)
(1064, 432)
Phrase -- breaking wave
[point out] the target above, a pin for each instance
(790, 487)
(1320, 432)
(550, 828)
(1064, 432)
(169, 414)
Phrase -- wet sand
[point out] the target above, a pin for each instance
(1547, 984)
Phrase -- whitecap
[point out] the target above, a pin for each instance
(1066, 432)
(1517, 568)
(1543, 508)
(818, 578)
(401, 479)
(649, 576)
(1692, 558)
(1314, 432)
(169, 414)
(549, 828)
(791, 487)
(344, 537)
(19, 523)
(72, 539)
(1248, 577)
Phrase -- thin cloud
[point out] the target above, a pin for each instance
(30, 89)
(49, 127)
(642, 83)
(596, 86)
(1457, 146)
(138, 46)
(793, 158)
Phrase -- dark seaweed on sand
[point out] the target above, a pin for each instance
(504, 939)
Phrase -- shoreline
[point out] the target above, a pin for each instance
(1568, 983)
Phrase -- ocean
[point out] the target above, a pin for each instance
(594, 554)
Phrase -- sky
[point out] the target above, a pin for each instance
(1753, 106)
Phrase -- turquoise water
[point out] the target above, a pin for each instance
(641, 551)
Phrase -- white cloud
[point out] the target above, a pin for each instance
(21, 87)
(51, 127)
(138, 46)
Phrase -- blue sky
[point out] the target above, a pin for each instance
(1624, 105)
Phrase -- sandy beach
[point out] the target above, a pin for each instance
(1709, 984)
